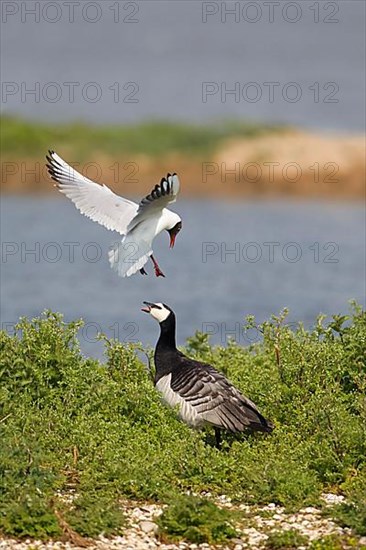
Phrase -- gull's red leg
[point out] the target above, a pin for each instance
(158, 271)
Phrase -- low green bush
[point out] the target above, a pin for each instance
(196, 520)
(289, 539)
(98, 431)
(352, 512)
(336, 542)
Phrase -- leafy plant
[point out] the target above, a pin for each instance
(352, 512)
(95, 513)
(196, 520)
(326, 543)
(289, 539)
(29, 516)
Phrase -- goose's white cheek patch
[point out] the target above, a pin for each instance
(160, 314)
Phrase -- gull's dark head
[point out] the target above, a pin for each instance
(173, 232)
(159, 311)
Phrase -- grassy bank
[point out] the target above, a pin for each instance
(77, 436)
(21, 138)
(229, 159)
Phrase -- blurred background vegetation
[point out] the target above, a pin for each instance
(206, 156)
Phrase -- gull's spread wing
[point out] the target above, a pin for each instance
(163, 194)
(95, 201)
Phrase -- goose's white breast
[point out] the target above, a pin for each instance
(187, 413)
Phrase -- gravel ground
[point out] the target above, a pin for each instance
(142, 530)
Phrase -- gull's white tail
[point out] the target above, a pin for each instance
(129, 256)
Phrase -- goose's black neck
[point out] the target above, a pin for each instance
(166, 350)
(167, 334)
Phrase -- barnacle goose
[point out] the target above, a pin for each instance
(202, 394)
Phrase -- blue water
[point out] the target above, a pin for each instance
(168, 50)
(317, 266)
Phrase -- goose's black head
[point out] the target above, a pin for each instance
(173, 232)
(160, 312)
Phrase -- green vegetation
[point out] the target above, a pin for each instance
(20, 138)
(78, 435)
(196, 520)
(335, 542)
(352, 513)
(286, 540)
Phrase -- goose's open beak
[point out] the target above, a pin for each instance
(148, 308)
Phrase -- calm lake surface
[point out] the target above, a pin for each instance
(131, 61)
(230, 260)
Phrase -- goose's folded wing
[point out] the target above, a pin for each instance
(95, 201)
(163, 194)
(216, 400)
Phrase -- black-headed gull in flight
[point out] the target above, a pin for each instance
(139, 224)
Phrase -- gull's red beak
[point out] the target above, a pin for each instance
(172, 239)
(173, 232)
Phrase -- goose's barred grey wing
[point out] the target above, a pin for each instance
(95, 201)
(214, 399)
(163, 194)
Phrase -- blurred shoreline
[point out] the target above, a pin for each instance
(230, 159)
